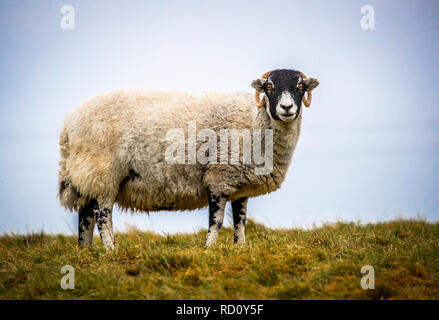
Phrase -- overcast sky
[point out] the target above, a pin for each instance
(369, 147)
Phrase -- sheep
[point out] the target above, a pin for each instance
(115, 149)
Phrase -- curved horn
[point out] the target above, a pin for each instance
(260, 103)
(307, 101)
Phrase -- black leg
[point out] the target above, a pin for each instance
(217, 205)
(86, 224)
(239, 208)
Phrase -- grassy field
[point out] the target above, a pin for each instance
(323, 263)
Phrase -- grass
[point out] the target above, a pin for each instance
(323, 263)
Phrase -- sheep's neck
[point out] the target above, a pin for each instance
(285, 137)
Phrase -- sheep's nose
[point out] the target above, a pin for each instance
(286, 107)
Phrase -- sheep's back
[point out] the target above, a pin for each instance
(115, 134)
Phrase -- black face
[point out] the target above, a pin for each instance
(284, 90)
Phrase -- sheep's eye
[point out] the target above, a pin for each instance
(269, 87)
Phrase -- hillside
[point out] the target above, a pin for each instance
(323, 263)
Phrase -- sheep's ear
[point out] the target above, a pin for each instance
(259, 84)
(310, 83)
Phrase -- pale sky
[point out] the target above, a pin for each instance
(369, 147)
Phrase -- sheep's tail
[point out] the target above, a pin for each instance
(68, 194)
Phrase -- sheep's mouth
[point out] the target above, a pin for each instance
(288, 116)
